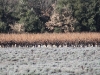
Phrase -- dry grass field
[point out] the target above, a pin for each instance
(50, 38)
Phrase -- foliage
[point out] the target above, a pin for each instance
(29, 18)
(17, 28)
(57, 30)
(3, 27)
(30, 12)
(85, 12)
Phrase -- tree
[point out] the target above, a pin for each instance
(7, 7)
(97, 15)
(3, 27)
(86, 11)
(28, 17)
(61, 19)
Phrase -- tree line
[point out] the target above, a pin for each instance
(39, 16)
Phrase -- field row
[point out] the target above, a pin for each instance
(50, 61)
(68, 39)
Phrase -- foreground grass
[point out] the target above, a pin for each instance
(48, 38)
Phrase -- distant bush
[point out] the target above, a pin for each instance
(3, 27)
(17, 28)
(57, 30)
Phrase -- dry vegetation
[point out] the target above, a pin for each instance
(47, 38)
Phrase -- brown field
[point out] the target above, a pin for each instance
(50, 38)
